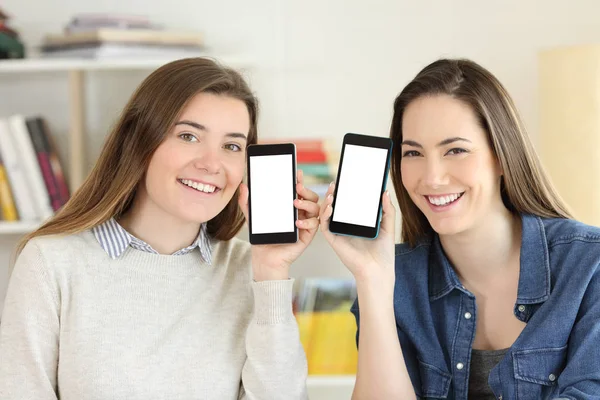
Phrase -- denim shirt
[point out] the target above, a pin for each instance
(557, 355)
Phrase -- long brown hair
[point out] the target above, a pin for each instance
(525, 187)
(148, 117)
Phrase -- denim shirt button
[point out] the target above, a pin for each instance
(552, 378)
(522, 308)
(468, 315)
(460, 366)
(500, 397)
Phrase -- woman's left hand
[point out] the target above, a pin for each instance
(273, 261)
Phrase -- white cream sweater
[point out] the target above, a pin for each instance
(79, 325)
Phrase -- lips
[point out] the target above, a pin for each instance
(444, 200)
(199, 186)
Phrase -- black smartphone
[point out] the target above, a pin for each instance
(361, 181)
(272, 186)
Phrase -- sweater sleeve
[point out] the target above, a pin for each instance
(276, 365)
(29, 331)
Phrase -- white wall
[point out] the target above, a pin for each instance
(320, 68)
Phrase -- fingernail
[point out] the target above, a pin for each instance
(387, 193)
(329, 196)
(299, 201)
(332, 183)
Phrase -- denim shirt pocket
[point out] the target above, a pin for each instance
(537, 371)
(435, 382)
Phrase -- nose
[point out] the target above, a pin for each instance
(209, 160)
(435, 174)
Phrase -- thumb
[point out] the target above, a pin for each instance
(243, 199)
(388, 220)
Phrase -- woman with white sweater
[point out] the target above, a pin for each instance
(137, 288)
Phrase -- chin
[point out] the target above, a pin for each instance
(197, 218)
(447, 227)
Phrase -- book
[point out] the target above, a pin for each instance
(118, 50)
(23, 197)
(311, 156)
(33, 173)
(317, 170)
(91, 17)
(7, 203)
(131, 36)
(49, 163)
(85, 22)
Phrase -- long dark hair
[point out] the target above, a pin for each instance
(525, 187)
(147, 118)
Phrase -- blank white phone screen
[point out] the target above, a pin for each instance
(272, 203)
(359, 186)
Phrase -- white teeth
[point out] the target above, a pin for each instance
(201, 187)
(443, 200)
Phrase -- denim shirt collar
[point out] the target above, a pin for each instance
(534, 277)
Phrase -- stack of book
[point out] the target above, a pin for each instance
(32, 183)
(327, 327)
(117, 36)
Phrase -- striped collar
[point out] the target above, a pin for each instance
(114, 239)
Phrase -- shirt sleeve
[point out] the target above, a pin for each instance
(580, 378)
(276, 364)
(29, 331)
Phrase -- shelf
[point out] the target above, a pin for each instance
(18, 228)
(74, 64)
(331, 380)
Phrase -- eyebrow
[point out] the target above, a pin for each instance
(201, 127)
(444, 142)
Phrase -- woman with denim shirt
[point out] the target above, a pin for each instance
(495, 291)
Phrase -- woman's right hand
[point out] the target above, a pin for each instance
(367, 259)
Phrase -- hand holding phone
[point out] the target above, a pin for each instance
(353, 206)
(361, 181)
(281, 226)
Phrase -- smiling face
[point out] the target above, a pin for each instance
(448, 167)
(196, 170)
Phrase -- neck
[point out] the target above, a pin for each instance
(165, 233)
(488, 251)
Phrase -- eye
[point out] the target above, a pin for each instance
(456, 150)
(411, 153)
(233, 147)
(188, 137)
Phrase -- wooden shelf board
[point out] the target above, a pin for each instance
(18, 227)
(331, 380)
